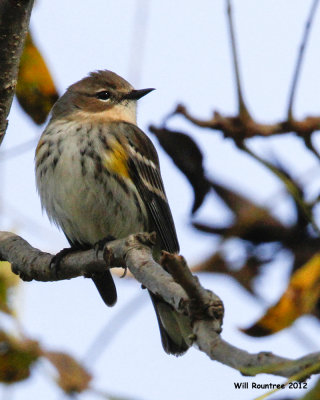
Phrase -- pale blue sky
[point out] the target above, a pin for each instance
(185, 55)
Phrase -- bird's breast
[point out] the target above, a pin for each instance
(80, 188)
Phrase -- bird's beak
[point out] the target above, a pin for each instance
(137, 94)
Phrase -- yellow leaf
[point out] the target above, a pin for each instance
(73, 378)
(300, 297)
(16, 358)
(8, 280)
(35, 89)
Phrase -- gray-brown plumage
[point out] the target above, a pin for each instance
(98, 176)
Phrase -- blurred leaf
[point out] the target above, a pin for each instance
(248, 272)
(16, 358)
(35, 89)
(73, 378)
(303, 247)
(215, 230)
(8, 280)
(215, 263)
(252, 222)
(300, 297)
(244, 275)
(187, 156)
(303, 210)
(304, 213)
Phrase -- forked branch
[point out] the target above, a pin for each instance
(182, 291)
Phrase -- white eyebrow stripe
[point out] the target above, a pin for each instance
(102, 90)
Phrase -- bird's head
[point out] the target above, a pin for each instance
(103, 95)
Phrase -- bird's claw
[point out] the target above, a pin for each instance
(99, 246)
(56, 260)
(125, 272)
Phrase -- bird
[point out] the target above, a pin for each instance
(98, 177)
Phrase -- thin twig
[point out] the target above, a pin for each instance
(301, 53)
(239, 129)
(243, 110)
(291, 188)
(308, 142)
(201, 307)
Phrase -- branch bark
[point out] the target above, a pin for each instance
(14, 23)
(240, 129)
(135, 253)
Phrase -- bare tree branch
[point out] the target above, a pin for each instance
(243, 126)
(32, 264)
(202, 305)
(135, 253)
(240, 129)
(243, 110)
(251, 364)
(300, 58)
(14, 23)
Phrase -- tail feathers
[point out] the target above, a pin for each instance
(106, 287)
(174, 328)
(103, 281)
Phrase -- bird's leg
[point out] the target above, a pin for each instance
(99, 246)
(56, 260)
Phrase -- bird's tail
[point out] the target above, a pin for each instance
(174, 327)
(106, 287)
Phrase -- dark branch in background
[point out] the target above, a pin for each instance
(300, 58)
(237, 129)
(306, 138)
(135, 253)
(243, 126)
(243, 110)
(253, 224)
(14, 23)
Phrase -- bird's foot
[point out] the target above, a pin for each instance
(125, 272)
(99, 246)
(56, 260)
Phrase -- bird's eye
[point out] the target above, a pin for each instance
(103, 95)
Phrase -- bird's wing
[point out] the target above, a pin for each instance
(144, 171)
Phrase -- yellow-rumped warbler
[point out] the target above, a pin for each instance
(98, 176)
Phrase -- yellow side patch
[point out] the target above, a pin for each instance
(116, 160)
